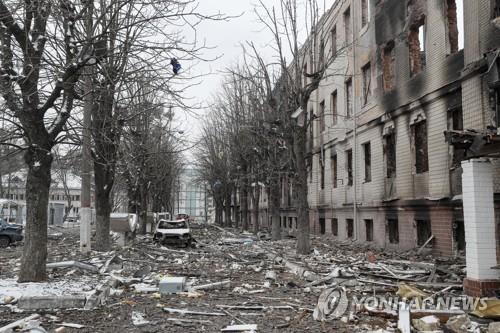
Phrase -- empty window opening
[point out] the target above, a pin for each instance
(367, 82)
(369, 230)
(347, 26)
(334, 170)
(496, 8)
(390, 154)
(393, 230)
(296, 225)
(421, 155)
(495, 103)
(333, 34)
(322, 116)
(348, 98)
(290, 222)
(455, 122)
(368, 161)
(349, 167)
(322, 228)
(424, 231)
(459, 235)
(388, 67)
(333, 107)
(322, 169)
(350, 228)
(321, 51)
(416, 43)
(335, 227)
(455, 24)
(365, 13)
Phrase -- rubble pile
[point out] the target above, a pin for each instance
(238, 282)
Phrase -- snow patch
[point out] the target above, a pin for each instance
(76, 285)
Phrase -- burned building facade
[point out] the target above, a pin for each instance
(401, 74)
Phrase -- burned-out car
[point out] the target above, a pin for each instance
(10, 233)
(173, 232)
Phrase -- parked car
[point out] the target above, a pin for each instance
(10, 233)
(173, 232)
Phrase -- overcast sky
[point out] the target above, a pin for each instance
(225, 38)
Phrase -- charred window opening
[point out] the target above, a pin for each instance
(367, 80)
(424, 231)
(496, 8)
(322, 170)
(421, 150)
(347, 26)
(367, 150)
(335, 227)
(393, 230)
(348, 98)
(455, 122)
(390, 154)
(416, 44)
(333, 34)
(322, 228)
(453, 25)
(495, 104)
(350, 228)
(322, 116)
(334, 170)
(348, 156)
(459, 234)
(369, 230)
(333, 107)
(364, 13)
(388, 67)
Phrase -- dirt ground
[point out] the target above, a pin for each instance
(216, 257)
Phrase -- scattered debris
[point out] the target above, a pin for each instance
(138, 319)
(194, 313)
(172, 285)
(19, 323)
(240, 328)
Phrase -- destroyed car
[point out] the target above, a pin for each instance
(173, 232)
(10, 233)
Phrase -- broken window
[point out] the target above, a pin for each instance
(333, 34)
(368, 161)
(416, 43)
(348, 98)
(393, 230)
(364, 13)
(322, 229)
(350, 228)
(348, 157)
(369, 230)
(454, 19)
(390, 154)
(455, 122)
(333, 106)
(420, 141)
(496, 8)
(388, 63)
(322, 116)
(334, 170)
(335, 227)
(367, 80)
(347, 26)
(322, 169)
(424, 231)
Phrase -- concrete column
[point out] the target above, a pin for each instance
(479, 218)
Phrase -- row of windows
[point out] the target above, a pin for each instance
(62, 197)
(419, 134)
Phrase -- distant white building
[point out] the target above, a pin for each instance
(191, 197)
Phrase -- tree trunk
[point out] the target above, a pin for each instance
(256, 199)
(274, 209)
(227, 207)
(244, 207)
(300, 189)
(33, 262)
(235, 208)
(103, 184)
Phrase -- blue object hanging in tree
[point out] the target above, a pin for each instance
(175, 65)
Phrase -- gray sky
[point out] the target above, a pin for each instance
(226, 38)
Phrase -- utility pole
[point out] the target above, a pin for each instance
(85, 197)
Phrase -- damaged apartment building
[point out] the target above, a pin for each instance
(403, 146)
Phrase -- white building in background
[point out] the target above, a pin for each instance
(191, 197)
